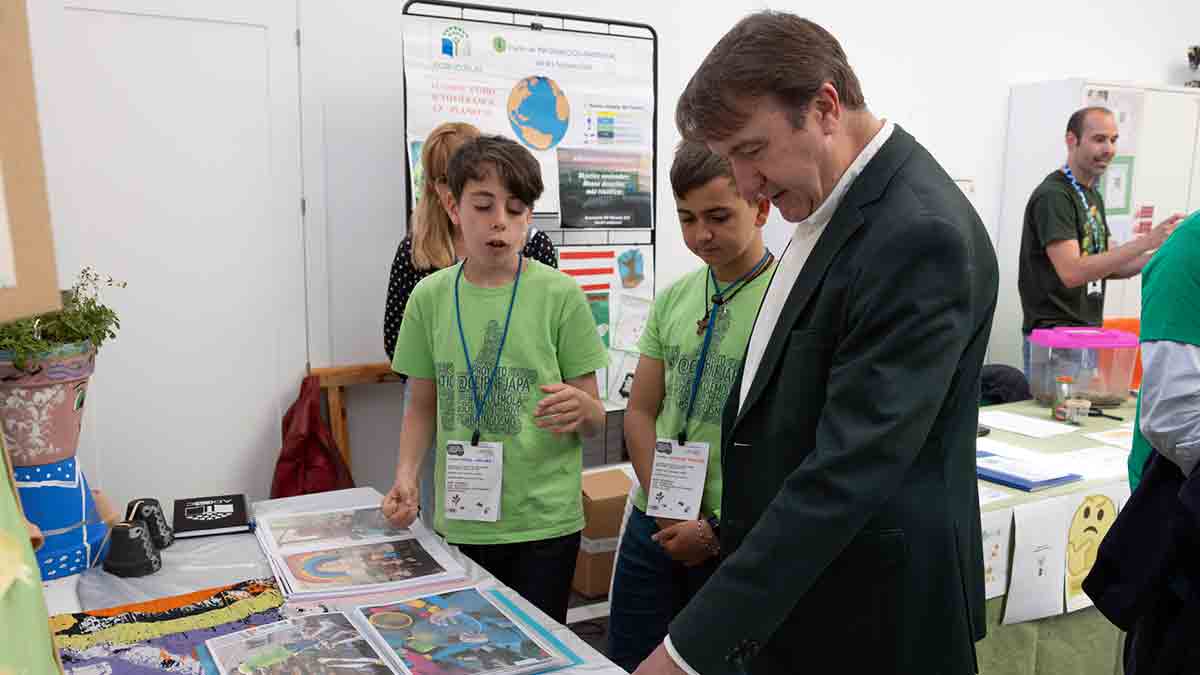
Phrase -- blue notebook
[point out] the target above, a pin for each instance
(1020, 475)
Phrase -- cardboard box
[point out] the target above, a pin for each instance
(604, 493)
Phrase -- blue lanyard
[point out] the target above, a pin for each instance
(1087, 210)
(717, 301)
(480, 404)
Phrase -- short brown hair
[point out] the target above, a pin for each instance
(766, 54)
(1077, 119)
(516, 167)
(695, 165)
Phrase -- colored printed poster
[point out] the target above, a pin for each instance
(362, 565)
(456, 633)
(605, 188)
(553, 92)
(317, 644)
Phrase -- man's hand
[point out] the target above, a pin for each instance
(401, 503)
(565, 409)
(659, 663)
(1158, 235)
(684, 541)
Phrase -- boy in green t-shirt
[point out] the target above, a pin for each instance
(501, 353)
(701, 322)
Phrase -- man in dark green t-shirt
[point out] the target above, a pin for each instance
(1065, 252)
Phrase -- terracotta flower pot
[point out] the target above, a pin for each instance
(41, 408)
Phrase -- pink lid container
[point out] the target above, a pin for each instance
(1065, 337)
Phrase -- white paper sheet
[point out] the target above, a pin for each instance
(1023, 424)
(989, 494)
(1092, 514)
(997, 536)
(1120, 437)
(1094, 463)
(1039, 550)
(632, 314)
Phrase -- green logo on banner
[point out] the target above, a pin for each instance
(499, 44)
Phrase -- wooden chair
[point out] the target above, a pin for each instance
(334, 382)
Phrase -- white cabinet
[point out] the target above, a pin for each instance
(1160, 134)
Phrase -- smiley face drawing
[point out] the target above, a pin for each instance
(1092, 521)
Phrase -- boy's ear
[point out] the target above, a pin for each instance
(764, 209)
(451, 206)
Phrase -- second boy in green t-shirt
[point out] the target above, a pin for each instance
(501, 353)
(662, 563)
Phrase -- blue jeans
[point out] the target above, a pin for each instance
(649, 589)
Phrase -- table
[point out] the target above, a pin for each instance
(206, 562)
(1082, 642)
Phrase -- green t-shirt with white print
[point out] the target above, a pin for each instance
(670, 336)
(552, 337)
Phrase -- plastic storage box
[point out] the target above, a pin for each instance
(1100, 362)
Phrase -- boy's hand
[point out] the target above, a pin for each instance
(684, 541)
(401, 503)
(565, 408)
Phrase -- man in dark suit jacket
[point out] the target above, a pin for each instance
(850, 535)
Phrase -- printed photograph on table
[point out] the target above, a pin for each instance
(458, 633)
(361, 565)
(318, 644)
(331, 528)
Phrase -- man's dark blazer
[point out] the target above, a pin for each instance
(850, 515)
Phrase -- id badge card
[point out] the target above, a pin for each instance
(677, 480)
(474, 475)
(1095, 289)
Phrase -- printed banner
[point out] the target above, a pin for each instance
(582, 100)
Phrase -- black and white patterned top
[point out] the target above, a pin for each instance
(405, 277)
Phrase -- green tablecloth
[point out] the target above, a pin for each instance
(1082, 642)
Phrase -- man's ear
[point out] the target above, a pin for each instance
(764, 210)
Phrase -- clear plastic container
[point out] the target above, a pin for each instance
(1099, 361)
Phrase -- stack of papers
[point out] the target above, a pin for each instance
(455, 632)
(327, 554)
(1019, 468)
(318, 643)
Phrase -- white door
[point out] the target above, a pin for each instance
(1162, 174)
(171, 131)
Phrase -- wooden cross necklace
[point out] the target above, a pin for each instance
(741, 282)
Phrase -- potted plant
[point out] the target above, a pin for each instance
(45, 363)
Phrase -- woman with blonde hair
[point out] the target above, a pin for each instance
(432, 244)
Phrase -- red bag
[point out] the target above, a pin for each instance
(309, 461)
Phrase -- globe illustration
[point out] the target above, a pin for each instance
(538, 112)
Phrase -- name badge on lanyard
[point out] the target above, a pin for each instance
(475, 470)
(678, 475)
(677, 480)
(474, 480)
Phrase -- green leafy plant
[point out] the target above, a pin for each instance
(83, 318)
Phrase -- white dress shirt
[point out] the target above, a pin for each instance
(1170, 413)
(804, 240)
